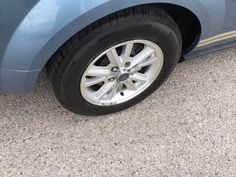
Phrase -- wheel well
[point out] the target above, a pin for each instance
(188, 24)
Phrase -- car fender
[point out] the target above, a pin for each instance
(50, 23)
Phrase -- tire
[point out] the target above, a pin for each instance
(70, 62)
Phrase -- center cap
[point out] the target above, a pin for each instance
(123, 77)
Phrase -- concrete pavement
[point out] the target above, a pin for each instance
(186, 128)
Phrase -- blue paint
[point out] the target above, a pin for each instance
(31, 31)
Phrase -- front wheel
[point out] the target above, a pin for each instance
(117, 63)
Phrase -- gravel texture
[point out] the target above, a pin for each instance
(186, 128)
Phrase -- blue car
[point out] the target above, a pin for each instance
(103, 56)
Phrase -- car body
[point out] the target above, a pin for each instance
(32, 31)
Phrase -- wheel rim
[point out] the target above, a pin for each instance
(122, 72)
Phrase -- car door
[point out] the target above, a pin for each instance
(230, 17)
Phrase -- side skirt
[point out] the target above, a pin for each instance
(199, 51)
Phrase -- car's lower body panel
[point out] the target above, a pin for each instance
(19, 81)
(199, 51)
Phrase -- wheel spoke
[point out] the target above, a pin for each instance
(142, 56)
(127, 51)
(94, 81)
(104, 90)
(120, 86)
(98, 71)
(148, 62)
(114, 91)
(130, 85)
(113, 57)
(135, 69)
(139, 77)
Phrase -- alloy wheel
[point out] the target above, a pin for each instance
(121, 72)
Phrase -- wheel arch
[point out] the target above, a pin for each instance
(197, 22)
(44, 33)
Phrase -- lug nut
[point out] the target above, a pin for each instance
(127, 64)
(115, 69)
(111, 79)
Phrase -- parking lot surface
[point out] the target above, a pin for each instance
(186, 128)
